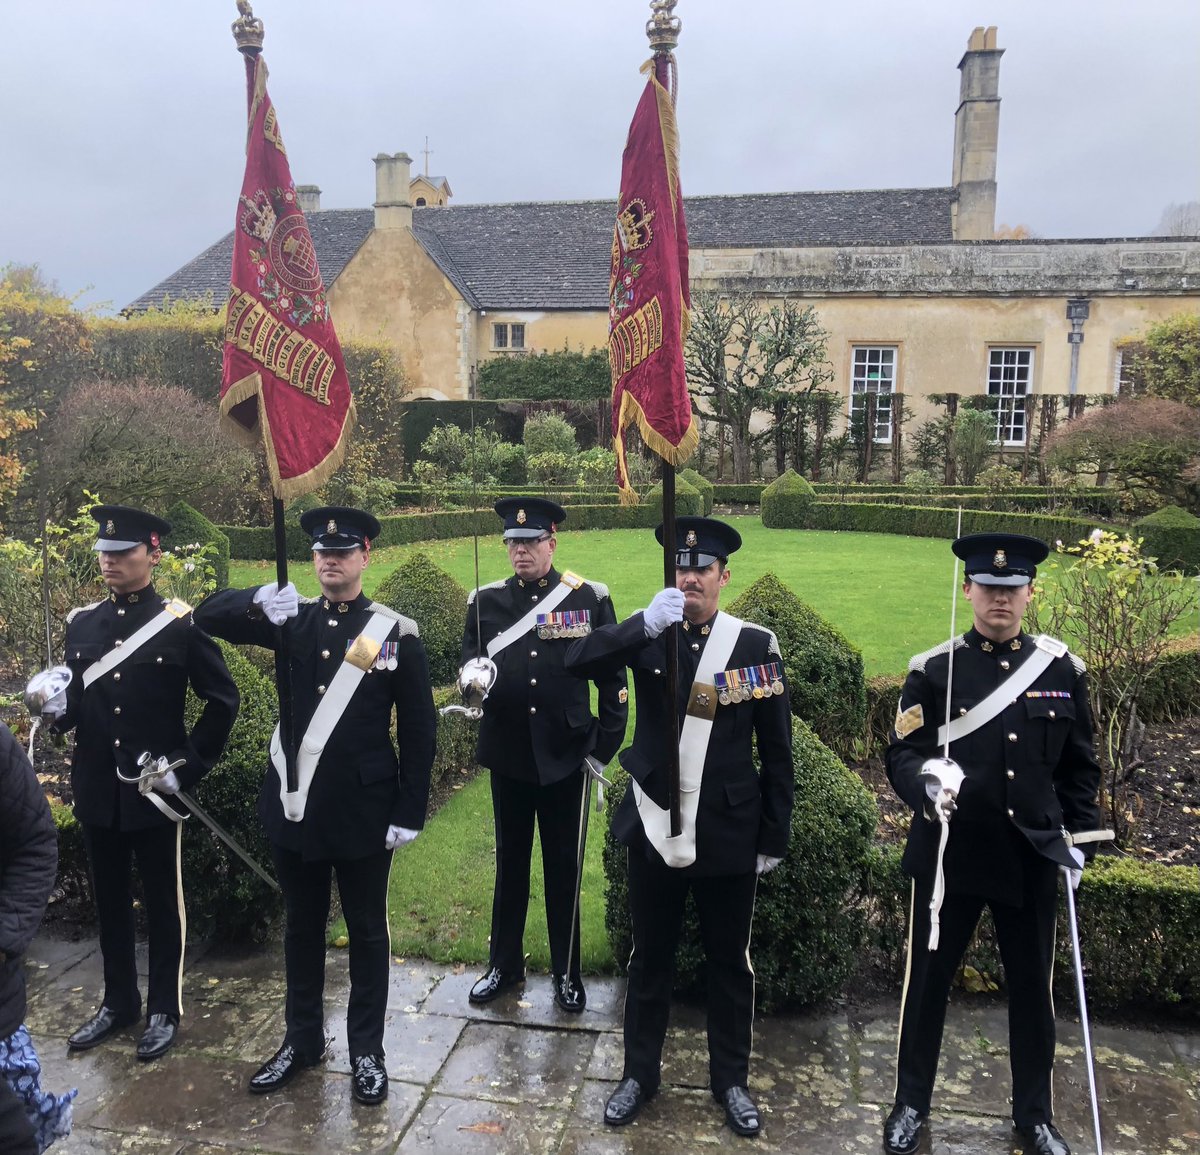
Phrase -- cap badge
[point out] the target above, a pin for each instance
(690, 539)
(521, 518)
(109, 527)
(1000, 560)
(331, 526)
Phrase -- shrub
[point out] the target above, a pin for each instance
(597, 468)
(699, 482)
(437, 603)
(73, 876)
(549, 433)
(920, 481)
(550, 467)
(456, 737)
(1172, 687)
(1172, 536)
(689, 502)
(190, 525)
(563, 374)
(225, 899)
(1000, 481)
(785, 501)
(809, 919)
(824, 671)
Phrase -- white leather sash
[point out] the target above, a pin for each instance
(693, 749)
(1008, 691)
(567, 584)
(175, 609)
(325, 717)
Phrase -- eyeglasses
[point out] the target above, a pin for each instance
(526, 542)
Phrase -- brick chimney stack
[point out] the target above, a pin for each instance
(976, 136)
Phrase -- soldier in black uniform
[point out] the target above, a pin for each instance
(132, 657)
(1030, 772)
(731, 693)
(536, 732)
(352, 661)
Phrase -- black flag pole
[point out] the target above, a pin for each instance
(672, 633)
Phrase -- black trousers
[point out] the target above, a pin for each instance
(111, 854)
(557, 809)
(362, 885)
(725, 906)
(1025, 935)
(17, 1136)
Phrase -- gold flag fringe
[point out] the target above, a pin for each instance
(632, 413)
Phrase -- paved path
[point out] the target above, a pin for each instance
(520, 1076)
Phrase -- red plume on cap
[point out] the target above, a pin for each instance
(154, 540)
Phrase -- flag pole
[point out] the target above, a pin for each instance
(248, 33)
(662, 30)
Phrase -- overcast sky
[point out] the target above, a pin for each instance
(123, 123)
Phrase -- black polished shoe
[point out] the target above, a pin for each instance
(103, 1023)
(368, 1079)
(569, 993)
(625, 1102)
(740, 1111)
(904, 1130)
(1043, 1139)
(495, 983)
(279, 1070)
(157, 1037)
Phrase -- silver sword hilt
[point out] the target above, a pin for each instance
(151, 769)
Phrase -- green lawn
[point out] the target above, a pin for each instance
(890, 595)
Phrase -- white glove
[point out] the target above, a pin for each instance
(766, 864)
(1074, 875)
(942, 797)
(398, 836)
(168, 783)
(278, 604)
(666, 607)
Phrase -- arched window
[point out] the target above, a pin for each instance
(420, 202)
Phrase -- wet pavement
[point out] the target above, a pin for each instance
(521, 1076)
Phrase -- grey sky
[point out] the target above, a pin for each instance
(123, 122)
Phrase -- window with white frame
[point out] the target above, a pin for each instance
(1010, 379)
(873, 371)
(508, 335)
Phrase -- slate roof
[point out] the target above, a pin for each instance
(554, 254)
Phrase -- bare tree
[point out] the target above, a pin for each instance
(743, 356)
(1179, 220)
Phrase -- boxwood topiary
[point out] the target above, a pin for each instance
(689, 502)
(824, 671)
(786, 501)
(225, 899)
(809, 917)
(699, 482)
(1172, 536)
(437, 603)
(190, 525)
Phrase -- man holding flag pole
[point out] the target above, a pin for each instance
(341, 799)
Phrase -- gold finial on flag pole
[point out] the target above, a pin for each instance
(248, 30)
(663, 27)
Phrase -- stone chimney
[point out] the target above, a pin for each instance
(393, 208)
(976, 134)
(309, 197)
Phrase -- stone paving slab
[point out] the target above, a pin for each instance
(451, 1126)
(531, 1004)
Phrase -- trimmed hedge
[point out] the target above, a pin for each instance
(1172, 689)
(1093, 503)
(437, 603)
(701, 483)
(689, 502)
(785, 501)
(1137, 925)
(190, 525)
(824, 670)
(922, 521)
(456, 737)
(1172, 536)
(725, 494)
(809, 919)
(419, 417)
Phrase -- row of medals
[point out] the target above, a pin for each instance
(552, 631)
(745, 692)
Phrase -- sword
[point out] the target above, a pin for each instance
(592, 771)
(1077, 955)
(153, 768)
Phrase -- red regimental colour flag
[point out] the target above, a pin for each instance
(648, 288)
(283, 379)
